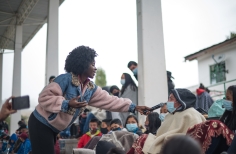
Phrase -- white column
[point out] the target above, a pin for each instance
(16, 85)
(52, 40)
(1, 70)
(152, 79)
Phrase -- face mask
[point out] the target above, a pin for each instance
(131, 127)
(4, 141)
(122, 81)
(116, 94)
(162, 116)
(170, 107)
(116, 129)
(104, 130)
(135, 71)
(227, 105)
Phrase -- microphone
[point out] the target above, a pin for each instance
(154, 107)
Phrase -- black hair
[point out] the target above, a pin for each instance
(181, 144)
(131, 116)
(79, 59)
(113, 87)
(94, 120)
(51, 77)
(128, 81)
(116, 150)
(204, 88)
(131, 63)
(107, 121)
(229, 117)
(116, 121)
(154, 123)
(21, 123)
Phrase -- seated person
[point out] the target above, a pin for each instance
(152, 124)
(163, 113)
(116, 124)
(94, 113)
(119, 136)
(204, 100)
(25, 146)
(12, 141)
(115, 91)
(132, 125)
(4, 139)
(218, 135)
(105, 128)
(181, 116)
(93, 126)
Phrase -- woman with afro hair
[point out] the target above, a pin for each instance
(63, 100)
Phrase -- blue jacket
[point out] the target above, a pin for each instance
(53, 109)
(25, 147)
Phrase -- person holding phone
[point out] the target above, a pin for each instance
(6, 109)
(65, 98)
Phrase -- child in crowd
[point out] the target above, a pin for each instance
(116, 125)
(132, 125)
(94, 131)
(152, 123)
(105, 127)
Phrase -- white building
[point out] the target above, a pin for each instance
(216, 67)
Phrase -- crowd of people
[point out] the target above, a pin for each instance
(105, 121)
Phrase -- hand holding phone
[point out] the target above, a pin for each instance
(21, 102)
(6, 110)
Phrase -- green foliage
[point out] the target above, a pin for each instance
(232, 35)
(100, 78)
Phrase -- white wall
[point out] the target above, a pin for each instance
(205, 61)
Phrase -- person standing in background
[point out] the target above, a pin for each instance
(128, 90)
(133, 66)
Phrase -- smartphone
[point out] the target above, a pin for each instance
(21, 102)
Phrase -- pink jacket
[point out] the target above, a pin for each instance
(51, 103)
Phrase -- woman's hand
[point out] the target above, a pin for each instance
(141, 109)
(75, 104)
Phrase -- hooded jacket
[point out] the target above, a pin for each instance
(175, 124)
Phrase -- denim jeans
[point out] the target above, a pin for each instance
(81, 124)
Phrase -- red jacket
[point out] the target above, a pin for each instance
(86, 137)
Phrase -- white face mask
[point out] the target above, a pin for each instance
(122, 81)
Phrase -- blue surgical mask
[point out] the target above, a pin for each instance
(122, 81)
(162, 116)
(170, 107)
(135, 71)
(132, 127)
(227, 105)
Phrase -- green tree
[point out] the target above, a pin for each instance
(100, 78)
(232, 35)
